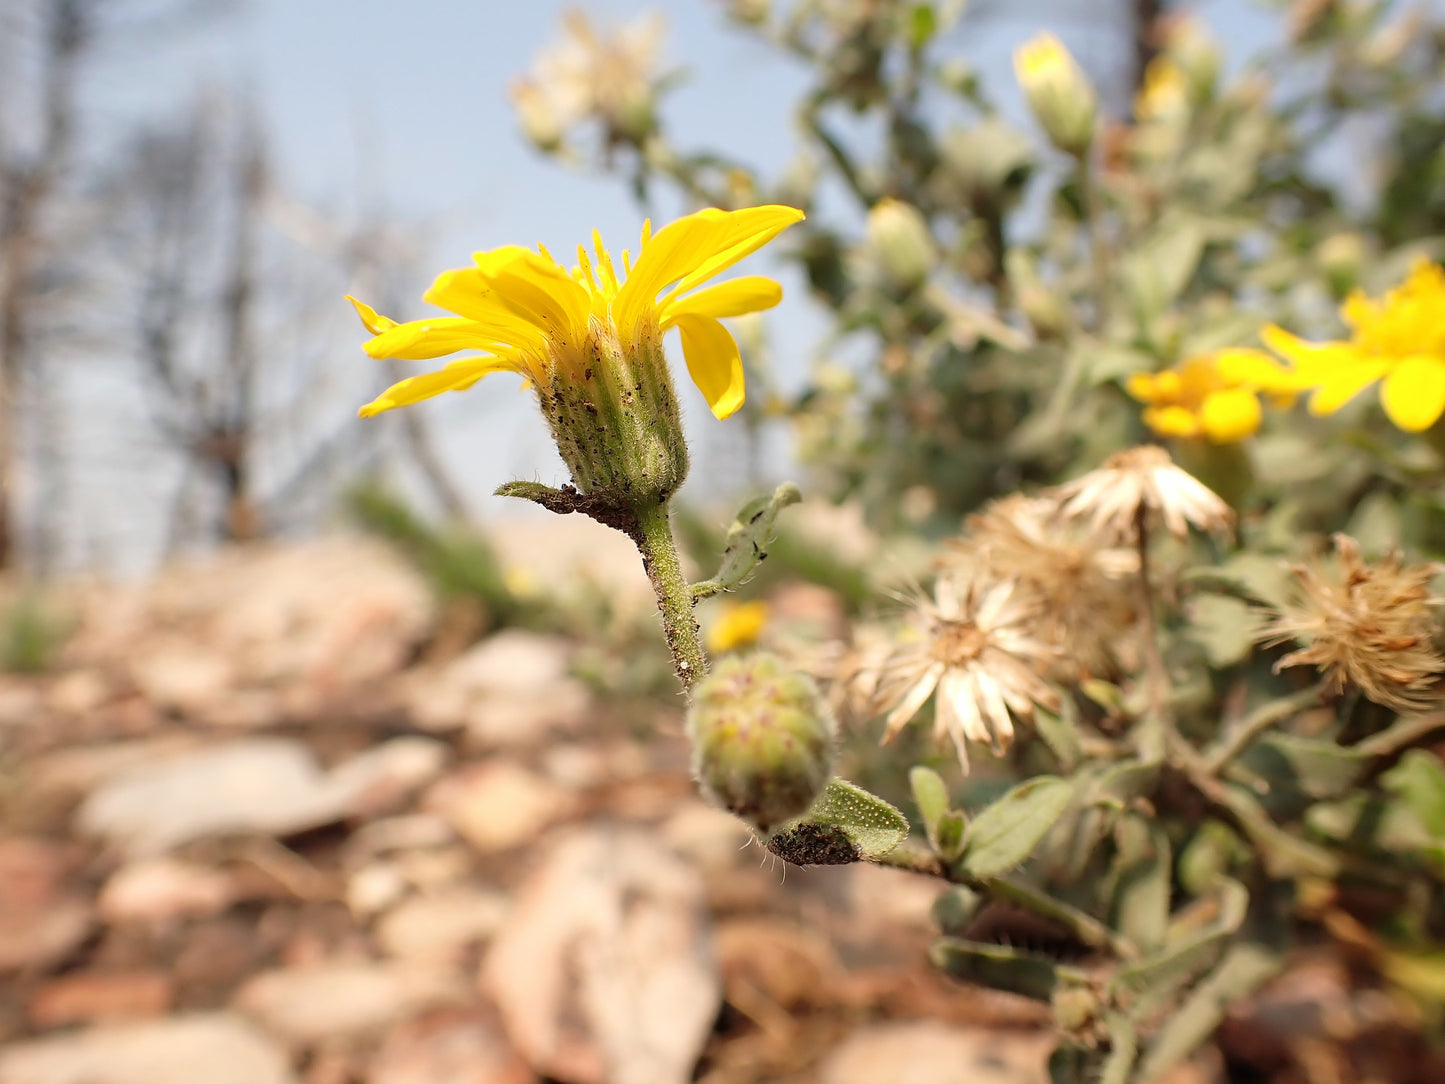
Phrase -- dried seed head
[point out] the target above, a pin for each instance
(974, 645)
(1367, 625)
(1082, 587)
(1145, 482)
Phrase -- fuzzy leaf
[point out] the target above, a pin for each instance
(846, 824)
(1224, 627)
(1005, 833)
(1242, 971)
(1317, 767)
(1000, 967)
(951, 830)
(1141, 894)
(747, 540)
(930, 794)
(1187, 953)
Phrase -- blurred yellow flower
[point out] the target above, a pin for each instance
(529, 315)
(1165, 93)
(1058, 92)
(1214, 396)
(1399, 339)
(738, 625)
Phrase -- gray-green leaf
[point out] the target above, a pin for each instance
(747, 540)
(1005, 834)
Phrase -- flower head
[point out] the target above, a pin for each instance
(1142, 481)
(737, 625)
(1214, 396)
(589, 74)
(1081, 586)
(589, 339)
(1399, 340)
(1368, 625)
(973, 644)
(1058, 92)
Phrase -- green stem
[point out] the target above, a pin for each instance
(1098, 252)
(674, 595)
(1252, 726)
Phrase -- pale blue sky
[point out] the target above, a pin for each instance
(404, 106)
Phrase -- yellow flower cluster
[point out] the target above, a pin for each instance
(1214, 396)
(1398, 340)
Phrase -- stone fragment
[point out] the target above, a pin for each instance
(217, 1048)
(436, 930)
(341, 1000)
(85, 997)
(497, 804)
(162, 890)
(453, 1047)
(928, 1052)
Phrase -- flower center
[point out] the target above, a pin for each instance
(958, 643)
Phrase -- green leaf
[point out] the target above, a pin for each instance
(1224, 627)
(1244, 969)
(1141, 894)
(846, 824)
(951, 829)
(1000, 967)
(1005, 833)
(1419, 780)
(1317, 767)
(1188, 951)
(1156, 271)
(747, 540)
(930, 794)
(922, 25)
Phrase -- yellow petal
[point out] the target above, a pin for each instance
(417, 340)
(458, 376)
(374, 321)
(1171, 421)
(752, 293)
(1337, 386)
(467, 292)
(1308, 358)
(1413, 395)
(1230, 415)
(1142, 386)
(1255, 369)
(713, 361)
(538, 291)
(694, 249)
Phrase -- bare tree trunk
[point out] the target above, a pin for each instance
(28, 189)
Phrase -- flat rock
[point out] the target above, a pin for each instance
(271, 786)
(456, 1047)
(606, 972)
(438, 929)
(85, 997)
(37, 934)
(162, 890)
(341, 1000)
(928, 1052)
(498, 804)
(511, 689)
(215, 1048)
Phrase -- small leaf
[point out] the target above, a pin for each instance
(1000, 967)
(930, 794)
(1315, 766)
(955, 909)
(951, 830)
(1141, 894)
(1224, 627)
(846, 824)
(1242, 971)
(747, 540)
(922, 25)
(1005, 833)
(1187, 952)
(1419, 781)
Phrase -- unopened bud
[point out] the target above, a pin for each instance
(898, 238)
(539, 118)
(1342, 257)
(762, 739)
(1058, 92)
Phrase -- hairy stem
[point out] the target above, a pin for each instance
(1240, 737)
(674, 595)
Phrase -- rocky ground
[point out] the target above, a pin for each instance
(266, 822)
(255, 829)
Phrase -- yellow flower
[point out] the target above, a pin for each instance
(1058, 92)
(1399, 340)
(529, 315)
(738, 625)
(1165, 93)
(1215, 396)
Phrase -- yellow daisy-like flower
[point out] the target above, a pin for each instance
(738, 625)
(589, 340)
(1399, 340)
(1214, 396)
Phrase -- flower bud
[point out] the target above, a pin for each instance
(899, 240)
(1058, 92)
(762, 739)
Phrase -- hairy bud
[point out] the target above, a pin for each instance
(762, 739)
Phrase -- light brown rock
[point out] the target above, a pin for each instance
(498, 804)
(454, 1047)
(437, 930)
(928, 1052)
(86, 997)
(605, 974)
(162, 890)
(341, 1000)
(215, 1048)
